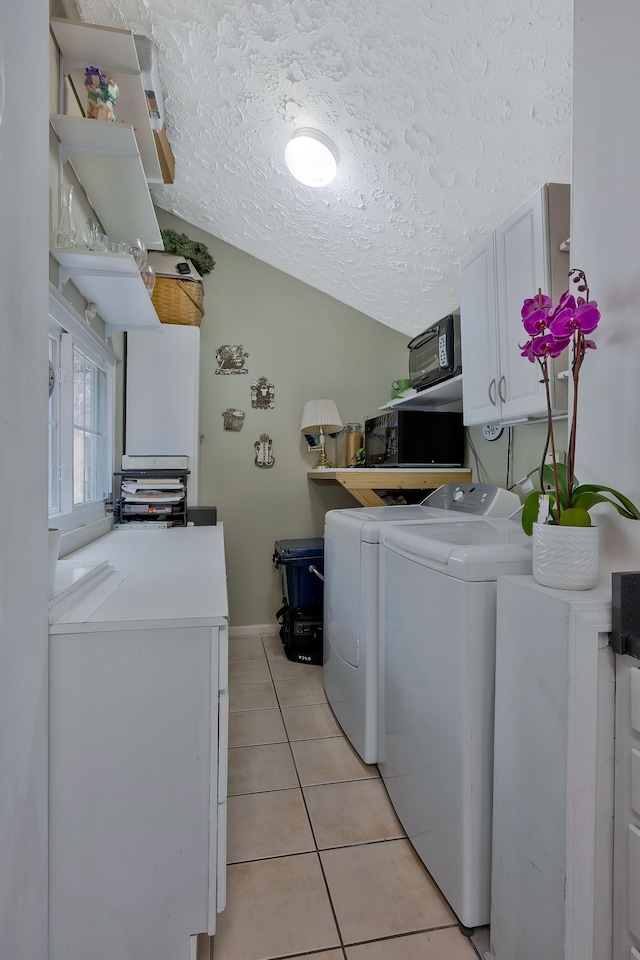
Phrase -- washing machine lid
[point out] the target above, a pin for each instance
(364, 524)
(468, 550)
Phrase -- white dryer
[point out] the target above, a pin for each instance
(437, 646)
(350, 644)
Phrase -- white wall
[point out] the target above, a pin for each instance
(23, 478)
(604, 243)
(310, 346)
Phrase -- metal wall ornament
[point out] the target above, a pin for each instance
(231, 358)
(233, 419)
(263, 394)
(264, 452)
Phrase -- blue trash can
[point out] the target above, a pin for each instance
(300, 617)
(302, 564)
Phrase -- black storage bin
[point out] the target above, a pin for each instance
(302, 587)
(301, 634)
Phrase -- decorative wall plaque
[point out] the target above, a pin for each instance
(263, 395)
(233, 419)
(264, 453)
(231, 359)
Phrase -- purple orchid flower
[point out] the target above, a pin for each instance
(536, 322)
(535, 313)
(527, 351)
(535, 303)
(583, 318)
(567, 300)
(549, 345)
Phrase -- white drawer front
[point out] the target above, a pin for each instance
(635, 781)
(635, 698)
(634, 881)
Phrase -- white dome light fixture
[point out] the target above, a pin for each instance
(311, 157)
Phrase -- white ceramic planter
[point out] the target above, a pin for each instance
(565, 557)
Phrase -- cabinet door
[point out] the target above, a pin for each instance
(522, 259)
(626, 884)
(163, 387)
(478, 323)
(133, 786)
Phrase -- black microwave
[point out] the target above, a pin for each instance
(435, 354)
(414, 438)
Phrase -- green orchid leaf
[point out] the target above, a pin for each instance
(530, 512)
(548, 479)
(591, 493)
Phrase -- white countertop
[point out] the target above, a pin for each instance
(175, 574)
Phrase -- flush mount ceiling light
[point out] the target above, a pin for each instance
(311, 157)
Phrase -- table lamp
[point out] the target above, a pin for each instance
(322, 417)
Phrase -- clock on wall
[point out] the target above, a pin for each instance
(492, 431)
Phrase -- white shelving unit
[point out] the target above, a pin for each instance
(112, 281)
(106, 160)
(113, 51)
(114, 161)
(447, 393)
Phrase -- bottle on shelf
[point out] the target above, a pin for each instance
(354, 440)
(66, 222)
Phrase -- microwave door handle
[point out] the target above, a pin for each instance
(502, 383)
(492, 392)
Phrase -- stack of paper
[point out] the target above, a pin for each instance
(147, 491)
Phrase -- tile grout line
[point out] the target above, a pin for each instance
(342, 948)
(319, 851)
(313, 832)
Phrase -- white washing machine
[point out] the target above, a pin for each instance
(350, 628)
(437, 647)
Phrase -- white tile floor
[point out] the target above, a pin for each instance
(318, 863)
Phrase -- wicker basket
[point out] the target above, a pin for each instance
(177, 299)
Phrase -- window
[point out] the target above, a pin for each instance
(80, 417)
(90, 454)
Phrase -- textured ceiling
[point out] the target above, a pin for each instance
(446, 114)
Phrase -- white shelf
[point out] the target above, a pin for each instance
(106, 160)
(447, 392)
(113, 51)
(112, 281)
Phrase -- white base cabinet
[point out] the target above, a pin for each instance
(138, 747)
(521, 256)
(552, 845)
(626, 891)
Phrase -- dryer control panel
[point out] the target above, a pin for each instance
(481, 499)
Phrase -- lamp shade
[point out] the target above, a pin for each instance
(320, 413)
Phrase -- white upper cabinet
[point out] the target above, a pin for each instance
(521, 256)
(477, 324)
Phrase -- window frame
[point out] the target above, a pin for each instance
(66, 325)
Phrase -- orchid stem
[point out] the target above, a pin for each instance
(578, 355)
(544, 364)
